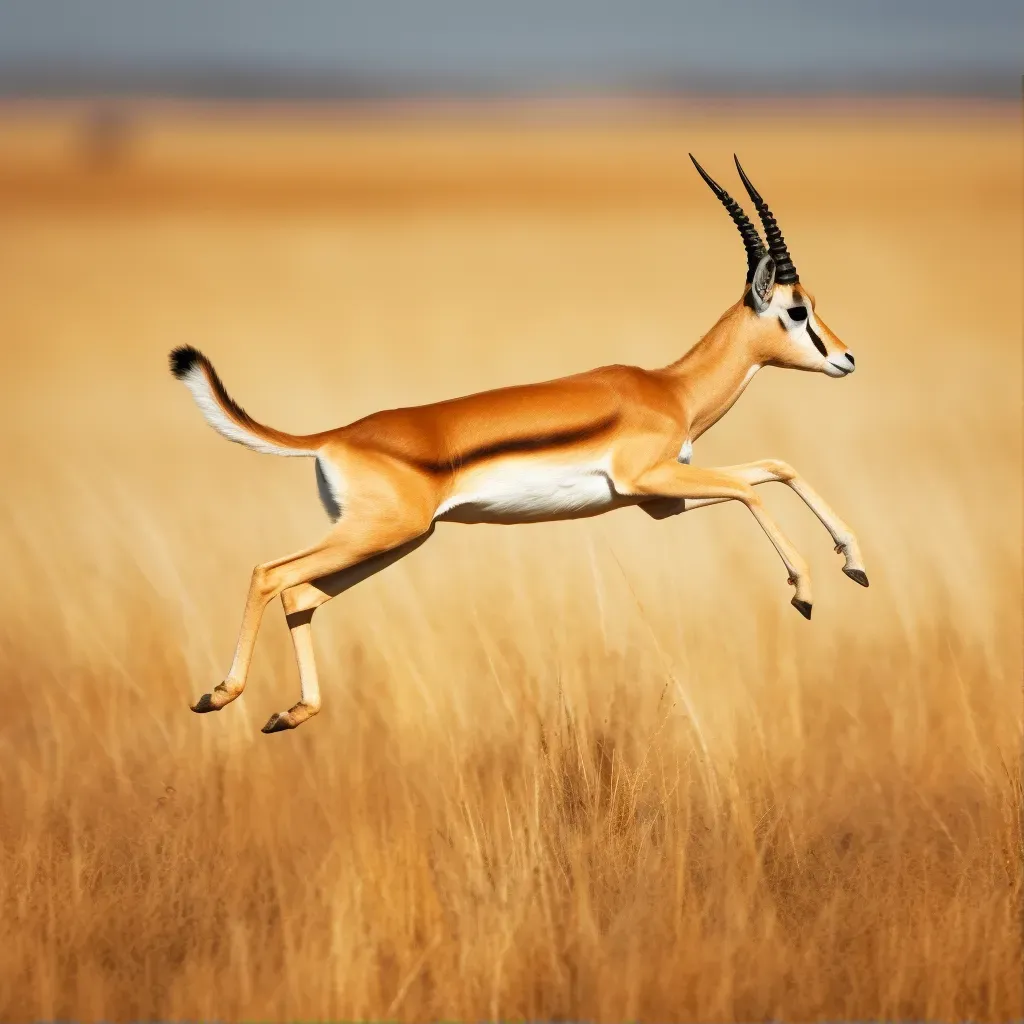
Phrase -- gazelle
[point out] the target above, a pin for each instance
(563, 449)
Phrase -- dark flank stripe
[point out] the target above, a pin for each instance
(817, 341)
(536, 443)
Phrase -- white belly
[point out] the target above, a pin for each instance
(531, 493)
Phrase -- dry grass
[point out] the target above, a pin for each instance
(597, 770)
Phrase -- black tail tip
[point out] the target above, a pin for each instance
(183, 359)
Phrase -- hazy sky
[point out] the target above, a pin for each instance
(532, 44)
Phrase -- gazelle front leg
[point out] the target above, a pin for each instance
(845, 541)
(772, 470)
(676, 480)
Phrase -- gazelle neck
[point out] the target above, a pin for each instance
(713, 374)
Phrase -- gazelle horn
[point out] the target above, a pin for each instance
(751, 239)
(785, 272)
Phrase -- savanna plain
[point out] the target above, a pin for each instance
(597, 770)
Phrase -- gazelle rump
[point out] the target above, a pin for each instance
(569, 448)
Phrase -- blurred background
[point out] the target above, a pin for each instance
(596, 770)
(106, 69)
(324, 50)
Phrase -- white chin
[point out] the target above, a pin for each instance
(834, 371)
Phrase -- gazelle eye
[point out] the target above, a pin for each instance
(797, 313)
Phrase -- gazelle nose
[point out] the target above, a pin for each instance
(850, 359)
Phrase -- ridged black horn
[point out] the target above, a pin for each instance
(785, 272)
(751, 239)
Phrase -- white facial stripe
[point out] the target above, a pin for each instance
(798, 329)
(803, 333)
(793, 323)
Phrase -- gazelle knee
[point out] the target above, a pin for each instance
(780, 470)
(750, 498)
(301, 601)
(291, 600)
(262, 583)
(269, 583)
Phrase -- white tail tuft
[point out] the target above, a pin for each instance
(228, 418)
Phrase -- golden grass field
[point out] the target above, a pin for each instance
(596, 770)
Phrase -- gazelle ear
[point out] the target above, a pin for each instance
(763, 284)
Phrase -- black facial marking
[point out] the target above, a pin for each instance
(797, 313)
(817, 341)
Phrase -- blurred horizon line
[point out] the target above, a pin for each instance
(250, 85)
(396, 155)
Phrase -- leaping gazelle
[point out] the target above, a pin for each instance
(564, 449)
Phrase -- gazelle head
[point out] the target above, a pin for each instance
(787, 329)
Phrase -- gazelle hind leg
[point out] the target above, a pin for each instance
(258, 597)
(300, 603)
(391, 507)
(677, 480)
(301, 629)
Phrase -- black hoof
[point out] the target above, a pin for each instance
(803, 607)
(278, 723)
(858, 576)
(204, 704)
